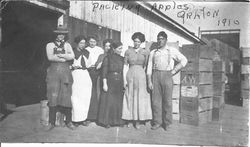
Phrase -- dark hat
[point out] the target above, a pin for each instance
(61, 30)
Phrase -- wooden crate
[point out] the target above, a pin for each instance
(195, 78)
(196, 104)
(218, 89)
(245, 52)
(199, 91)
(175, 106)
(246, 61)
(205, 78)
(245, 69)
(176, 116)
(221, 48)
(176, 92)
(216, 114)
(245, 94)
(205, 91)
(246, 103)
(219, 66)
(199, 65)
(245, 81)
(218, 101)
(195, 118)
(177, 78)
(219, 77)
(197, 51)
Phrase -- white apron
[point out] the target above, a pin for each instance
(81, 92)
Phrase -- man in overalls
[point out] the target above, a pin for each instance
(59, 79)
(159, 72)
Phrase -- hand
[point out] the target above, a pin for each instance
(60, 55)
(105, 87)
(77, 66)
(173, 72)
(150, 85)
(99, 65)
(125, 85)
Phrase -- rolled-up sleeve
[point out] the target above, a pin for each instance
(69, 52)
(178, 56)
(150, 64)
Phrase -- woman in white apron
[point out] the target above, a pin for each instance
(82, 84)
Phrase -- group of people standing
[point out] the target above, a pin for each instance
(132, 89)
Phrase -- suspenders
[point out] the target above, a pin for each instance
(168, 56)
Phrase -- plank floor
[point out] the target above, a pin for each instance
(232, 130)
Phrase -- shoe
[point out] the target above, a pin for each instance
(165, 127)
(76, 124)
(137, 125)
(50, 127)
(107, 126)
(156, 126)
(70, 126)
(86, 123)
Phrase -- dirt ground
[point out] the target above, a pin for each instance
(23, 126)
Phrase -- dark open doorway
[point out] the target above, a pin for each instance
(26, 28)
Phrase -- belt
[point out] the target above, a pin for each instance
(92, 68)
(161, 70)
(115, 73)
(75, 68)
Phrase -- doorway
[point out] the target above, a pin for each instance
(26, 29)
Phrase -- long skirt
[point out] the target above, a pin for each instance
(93, 108)
(110, 110)
(136, 101)
(81, 94)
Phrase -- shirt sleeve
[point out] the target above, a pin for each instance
(126, 57)
(150, 63)
(105, 68)
(69, 52)
(178, 56)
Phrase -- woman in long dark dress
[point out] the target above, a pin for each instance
(110, 110)
(107, 48)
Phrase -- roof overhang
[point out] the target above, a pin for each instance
(59, 6)
(176, 27)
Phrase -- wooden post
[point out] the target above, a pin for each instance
(245, 71)
(1, 96)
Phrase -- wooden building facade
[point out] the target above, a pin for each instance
(119, 20)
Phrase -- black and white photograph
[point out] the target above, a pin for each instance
(171, 73)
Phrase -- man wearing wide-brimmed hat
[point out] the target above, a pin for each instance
(59, 79)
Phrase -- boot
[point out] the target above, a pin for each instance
(52, 118)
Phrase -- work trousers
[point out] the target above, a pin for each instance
(162, 97)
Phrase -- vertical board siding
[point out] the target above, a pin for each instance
(124, 21)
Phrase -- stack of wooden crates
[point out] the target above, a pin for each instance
(196, 100)
(245, 80)
(218, 89)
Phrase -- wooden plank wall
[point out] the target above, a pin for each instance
(1, 97)
(245, 79)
